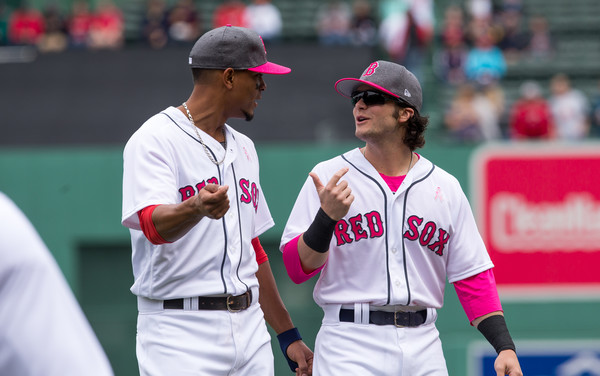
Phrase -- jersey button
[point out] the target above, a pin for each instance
(394, 250)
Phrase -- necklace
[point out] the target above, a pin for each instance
(208, 153)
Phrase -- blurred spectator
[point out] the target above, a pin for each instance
(490, 102)
(107, 27)
(155, 24)
(530, 116)
(449, 60)
(184, 22)
(453, 26)
(333, 23)
(25, 26)
(513, 38)
(230, 12)
(462, 119)
(78, 24)
(406, 30)
(485, 61)
(363, 26)
(595, 115)
(264, 18)
(55, 37)
(570, 109)
(540, 43)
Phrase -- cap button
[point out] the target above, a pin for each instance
(228, 25)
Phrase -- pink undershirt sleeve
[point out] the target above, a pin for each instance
(478, 294)
(291, 260)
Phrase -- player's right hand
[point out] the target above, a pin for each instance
(212, 201)
(336, 197)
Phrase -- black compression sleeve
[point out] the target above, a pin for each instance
(495, 331)
(318, 236)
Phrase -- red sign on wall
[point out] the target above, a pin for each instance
(538, 210)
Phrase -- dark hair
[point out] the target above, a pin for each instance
(197, 74)
(414, 137)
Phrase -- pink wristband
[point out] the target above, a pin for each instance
(292, 263)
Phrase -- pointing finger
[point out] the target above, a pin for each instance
(336, 177)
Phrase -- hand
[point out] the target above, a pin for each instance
(301, 354)
(507, 363)
(335, 198)
(212, 201)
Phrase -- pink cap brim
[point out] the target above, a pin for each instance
(271, 68)
(346, 86)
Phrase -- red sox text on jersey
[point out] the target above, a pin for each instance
(250, 191)
(371, 226)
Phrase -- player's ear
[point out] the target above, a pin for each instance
(405, 114)
(228, 77)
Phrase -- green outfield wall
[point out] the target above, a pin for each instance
(73, 198)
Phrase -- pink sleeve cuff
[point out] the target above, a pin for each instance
(478, 294)
(292, 263)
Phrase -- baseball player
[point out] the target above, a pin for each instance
(44, 331)
(385, 227)
(194, 205)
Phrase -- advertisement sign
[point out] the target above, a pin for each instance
(541, 358)
(538, 210)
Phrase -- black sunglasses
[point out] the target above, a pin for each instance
(371, 98)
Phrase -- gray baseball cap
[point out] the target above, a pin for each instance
(233, 47)
(387, 77)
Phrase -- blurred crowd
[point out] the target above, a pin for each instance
(50, 30)
(478, 41)
(472, 46)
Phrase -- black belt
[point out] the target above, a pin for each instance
(231, 303)
(398, 318)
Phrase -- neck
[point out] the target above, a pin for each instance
(209, 123)
(390, 162)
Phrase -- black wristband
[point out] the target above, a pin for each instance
(318, 236)
(285, 340)
(495, 331)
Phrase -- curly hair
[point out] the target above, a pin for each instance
(414, 137)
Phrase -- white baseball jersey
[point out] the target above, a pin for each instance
(393, 248)
(164, 163)
(44, 331)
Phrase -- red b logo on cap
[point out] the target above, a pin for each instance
(371, 69)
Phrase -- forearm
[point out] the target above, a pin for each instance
(270, 301)
(309, 258)
(175, 220)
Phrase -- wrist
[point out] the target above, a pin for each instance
(285, 340)
(494, 329)
(319, 234)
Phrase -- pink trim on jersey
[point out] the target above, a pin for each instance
(478, 294)
(393, 181)
(292, 263)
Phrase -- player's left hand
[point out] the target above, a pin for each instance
(507, 363)
(301, 354)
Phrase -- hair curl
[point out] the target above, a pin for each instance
(416, 125)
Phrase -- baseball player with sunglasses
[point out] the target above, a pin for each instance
(193, 202)
(385, 228)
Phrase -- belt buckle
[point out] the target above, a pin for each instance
(396, 320)
(229, 303)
